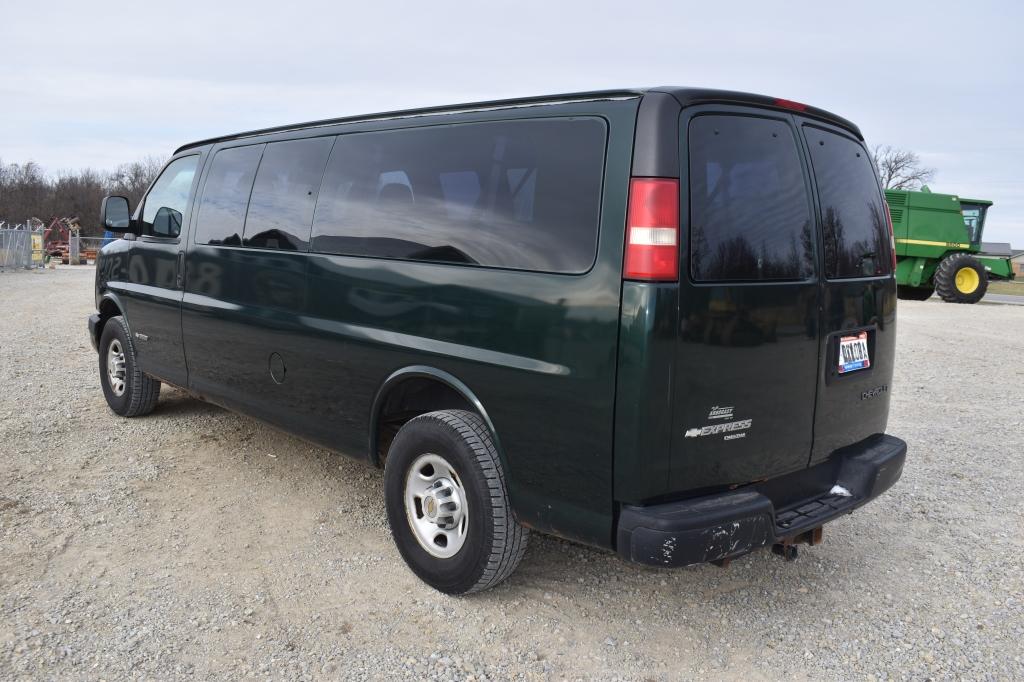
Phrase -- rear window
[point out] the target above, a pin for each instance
(750, 217)
(853, 221)
(514, 194)
(226, 195)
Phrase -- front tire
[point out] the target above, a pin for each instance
(447, 503)
(128, 391)
(961, 278)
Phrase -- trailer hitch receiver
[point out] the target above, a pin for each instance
(787, 547)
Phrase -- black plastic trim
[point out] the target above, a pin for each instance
(656, 143)
(94, 325)
(734, 523)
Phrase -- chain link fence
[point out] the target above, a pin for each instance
(21, 248)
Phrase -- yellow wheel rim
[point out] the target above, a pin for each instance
(967, 280)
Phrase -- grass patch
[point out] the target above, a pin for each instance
(1011, 288)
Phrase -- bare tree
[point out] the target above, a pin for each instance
(132, 179)
(900, 168)
(27, 191)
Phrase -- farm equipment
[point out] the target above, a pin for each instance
(62, 241)
(938, 246)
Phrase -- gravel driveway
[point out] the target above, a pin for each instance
(198, 543)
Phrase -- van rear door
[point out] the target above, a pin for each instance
(746, 372)
(858, 291)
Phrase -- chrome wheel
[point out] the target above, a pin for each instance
(435, 505)
(116, 372)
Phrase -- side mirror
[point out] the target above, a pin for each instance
(115, 216)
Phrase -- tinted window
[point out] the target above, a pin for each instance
(852, 213)
(516, 194)
(749, 214)
(226, 195)
(281, 206)
(166, 202)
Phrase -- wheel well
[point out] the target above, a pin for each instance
(408, 399)
(108, 309)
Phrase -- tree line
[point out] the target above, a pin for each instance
(27, 191)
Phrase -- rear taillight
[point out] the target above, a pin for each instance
(892, 237)
(652, 230)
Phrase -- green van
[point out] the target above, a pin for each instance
(660, 322)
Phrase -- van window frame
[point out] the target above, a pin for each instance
(201, 190)
(193, 192)
(804, 122)
(400, 124)
(685, 117)
(600, 195)
(318, 184)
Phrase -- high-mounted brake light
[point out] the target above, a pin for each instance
(652, 230)
(790, 104)
(892, 237)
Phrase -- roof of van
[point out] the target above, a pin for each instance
(686, 97)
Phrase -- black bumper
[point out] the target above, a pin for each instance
(94, 327)
(736, 522)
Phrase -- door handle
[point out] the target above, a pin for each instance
(179, 271)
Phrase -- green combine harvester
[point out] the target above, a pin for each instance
(938, 246)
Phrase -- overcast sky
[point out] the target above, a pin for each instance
(95, 84)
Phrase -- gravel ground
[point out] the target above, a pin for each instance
(198, 543)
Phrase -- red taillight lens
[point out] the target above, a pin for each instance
(652, 230)
(892, 237)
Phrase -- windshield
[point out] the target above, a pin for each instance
(974, 219)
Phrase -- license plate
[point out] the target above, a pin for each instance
(853, 353)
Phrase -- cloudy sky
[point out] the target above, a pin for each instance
(95, 84)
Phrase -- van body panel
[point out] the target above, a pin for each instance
(644, 390)
(153, 288)
(240, 306)
(852, 407)
(746, 368)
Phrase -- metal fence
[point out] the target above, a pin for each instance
(21, 247)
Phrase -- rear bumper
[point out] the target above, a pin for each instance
(94, 326)
(736, 522)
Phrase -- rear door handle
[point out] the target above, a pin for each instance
(179, 270)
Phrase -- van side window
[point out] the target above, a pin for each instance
(852, 213)
(226, 195)
(520, 194)
(750, 217)
(167, 200)
(281, 206)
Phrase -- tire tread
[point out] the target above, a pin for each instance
(945, 278)
(143, 390)
(509, 538)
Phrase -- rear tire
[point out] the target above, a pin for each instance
(914, 293)
(961, 278)
(447, 503)
(128, 391)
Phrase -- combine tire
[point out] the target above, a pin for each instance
(961, 278)
(914, 293)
